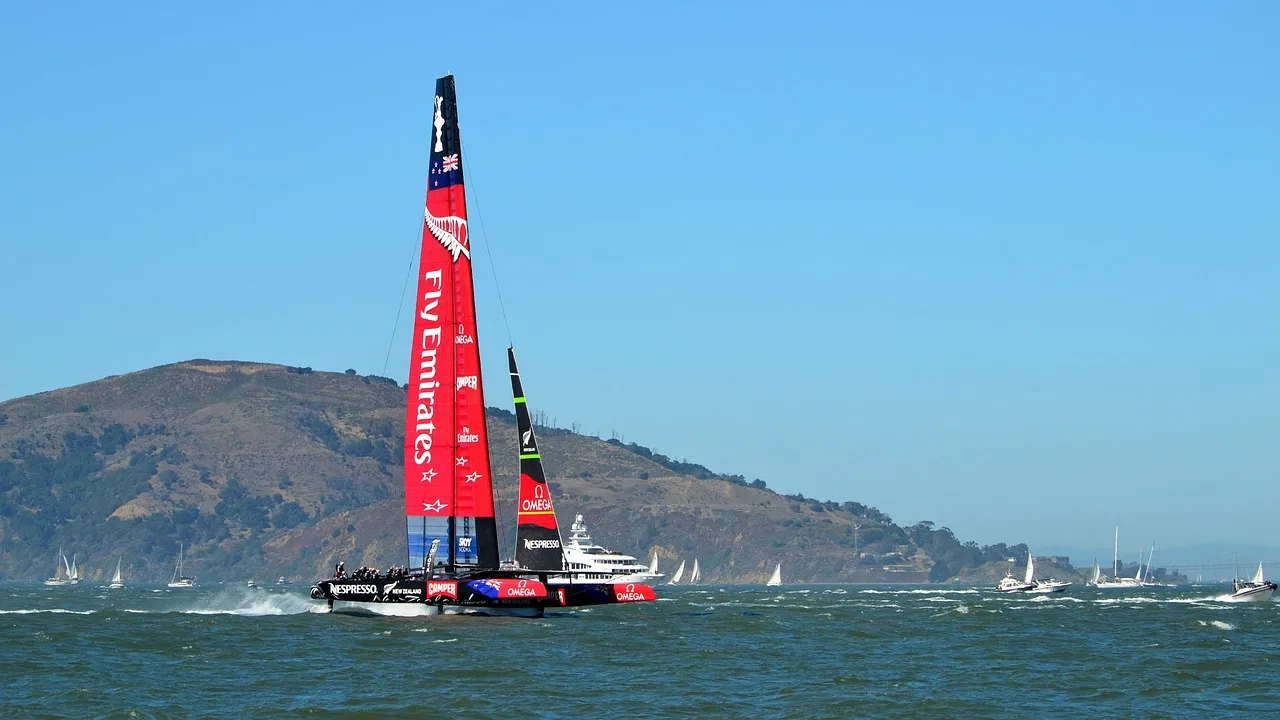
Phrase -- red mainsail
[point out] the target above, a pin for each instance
(448, 489)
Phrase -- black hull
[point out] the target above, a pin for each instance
(477, 592)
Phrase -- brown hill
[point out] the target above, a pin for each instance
(263, 470)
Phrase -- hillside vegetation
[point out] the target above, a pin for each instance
(263, 470)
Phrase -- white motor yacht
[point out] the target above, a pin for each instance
(1048, 586)
(589, 562)
(1010, 584)
(1258, 589)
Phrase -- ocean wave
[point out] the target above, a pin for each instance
(58, 611)
(921, 591)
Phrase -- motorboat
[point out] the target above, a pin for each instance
(1010, 584)
(1048, 586)
(1258, 589)
(588, 561)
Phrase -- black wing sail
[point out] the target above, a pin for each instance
(537, 534)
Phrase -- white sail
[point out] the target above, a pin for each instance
(1097, 573)
(775, 579)
(1257, 576)
(65, 564)
(1138, 575)
(693, 577)
(177, 569)
(117, 581)
(653, 565)
(1146, 576)
(72, 573)
(1031, 569)
(679, 574)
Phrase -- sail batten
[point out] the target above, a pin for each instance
(448, 487)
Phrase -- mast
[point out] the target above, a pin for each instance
(1115, 556)
(448, 486)
(538, 545)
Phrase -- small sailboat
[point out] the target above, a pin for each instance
(776, 578)
(59, 578)
(281, 581)
(251, 584)
(695, 575)
(117, 581)
(179, 580)
(679, 573)
(1259, 589)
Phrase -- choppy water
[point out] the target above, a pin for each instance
(793, 652)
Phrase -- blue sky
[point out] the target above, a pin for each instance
(1010, 269)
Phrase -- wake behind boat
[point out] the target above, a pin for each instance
(449, 504)
(1258, 589)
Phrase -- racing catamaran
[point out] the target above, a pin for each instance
(453, 563)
